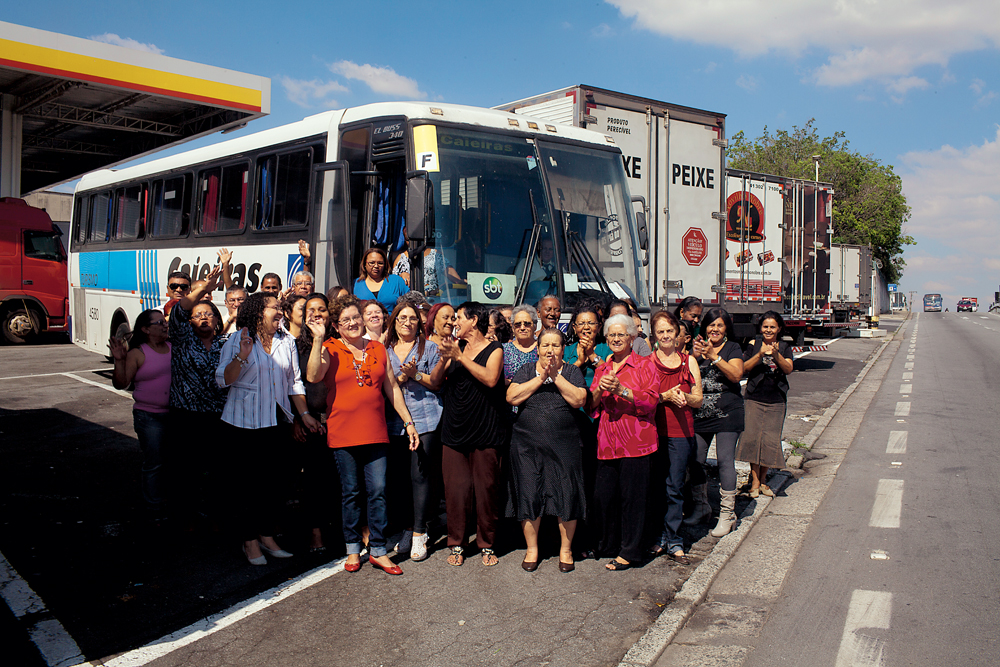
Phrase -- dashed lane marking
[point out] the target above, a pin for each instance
(888, 505)
(905, 388)
(859, 646)
(902, 409)
(908, 376)
(897, 442)
(908, 365)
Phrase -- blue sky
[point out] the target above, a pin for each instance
(913, 83)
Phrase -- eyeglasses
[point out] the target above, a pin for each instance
(303, 284)
(521, 325)
(408, 320)
(376, 263)
(617, 336)
(203, 318)
(158, 323)
(344, 321)
(180, 286)
(236, 299)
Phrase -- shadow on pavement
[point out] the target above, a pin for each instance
(75, 530)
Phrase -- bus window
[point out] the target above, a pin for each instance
(81, 214)
(169, 211)
(100, 217)
(283, 190)
(130, 212)
(223, 194)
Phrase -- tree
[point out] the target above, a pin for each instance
(869, 207)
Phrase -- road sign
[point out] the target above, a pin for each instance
(892, 287)
(694, 246)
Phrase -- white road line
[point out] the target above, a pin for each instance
(908, 365)
(868, 610)
(45, 375)
(908, 376)
(224, 619)
(902, 409)
(98, 384)
(51, 638)
(909, 357)
(897, 442)
(888, 504)
(905, 388)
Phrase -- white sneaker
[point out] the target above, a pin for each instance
(418, 550)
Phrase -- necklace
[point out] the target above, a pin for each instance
(359, 377)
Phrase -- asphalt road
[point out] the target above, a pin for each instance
(113, 582)
(900, 565)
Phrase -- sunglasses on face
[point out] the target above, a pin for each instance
(179, 286)
(522, 325)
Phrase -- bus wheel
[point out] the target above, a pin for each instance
(19, 325)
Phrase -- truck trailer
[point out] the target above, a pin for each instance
(850, 281)
(674, 158)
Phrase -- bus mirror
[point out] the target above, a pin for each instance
(640, 228)
(419, 202)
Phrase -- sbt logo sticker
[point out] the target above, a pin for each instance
(492, 288)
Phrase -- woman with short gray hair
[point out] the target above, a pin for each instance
(623, 397)
(524, 348)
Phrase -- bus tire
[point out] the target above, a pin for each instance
(20, 325)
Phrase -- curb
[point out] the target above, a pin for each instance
(647, 650)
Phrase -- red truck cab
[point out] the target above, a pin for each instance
(34, 286)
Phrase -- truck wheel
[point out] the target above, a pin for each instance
(19, 325)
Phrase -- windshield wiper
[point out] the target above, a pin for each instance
(536, 230)
(581, 254)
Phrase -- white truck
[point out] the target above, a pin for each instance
(850, 281)
(674, 158)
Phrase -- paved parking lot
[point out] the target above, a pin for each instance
(75, 532)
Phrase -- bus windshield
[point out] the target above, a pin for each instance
(489, 192)
(932, 303)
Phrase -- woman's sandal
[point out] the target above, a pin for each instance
(657, 550)
(616, 565)
(457, 557)
(488, 556)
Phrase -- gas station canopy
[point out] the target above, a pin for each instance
(72, 105)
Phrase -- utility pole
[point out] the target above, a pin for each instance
(910, 304)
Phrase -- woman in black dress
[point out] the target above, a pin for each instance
(546, 461)
(474, 429)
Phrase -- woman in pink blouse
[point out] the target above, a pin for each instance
(623, 396)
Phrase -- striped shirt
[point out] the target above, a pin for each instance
(265, 381)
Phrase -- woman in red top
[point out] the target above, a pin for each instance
(355, 373)
(623, 396)
(680, 391)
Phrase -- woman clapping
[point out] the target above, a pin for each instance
(546, 460)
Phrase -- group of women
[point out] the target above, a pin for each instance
(522, 429)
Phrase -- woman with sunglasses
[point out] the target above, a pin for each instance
(375, 284)
(146, 362)
(524, 348)
(357, 372)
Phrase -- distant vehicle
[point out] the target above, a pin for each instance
(966, 306)
(933, 303)
(34, 289)
(974, 300)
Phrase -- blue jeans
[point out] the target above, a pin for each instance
(372, 462)
(150, 428)
(678, 452)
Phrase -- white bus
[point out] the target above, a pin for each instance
(473, 191)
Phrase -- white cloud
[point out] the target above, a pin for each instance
(747, 82)
(977, 86)
(311, 93)
(127, 42)
(710, 67)
(954, 195)
(903, 84)
(382, 80)
(880, 40)
(603, 30)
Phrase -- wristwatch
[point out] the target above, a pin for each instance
(418, 376)
(716, 360)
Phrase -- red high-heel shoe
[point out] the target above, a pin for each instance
(394, 570)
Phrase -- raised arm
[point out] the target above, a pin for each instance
(226, 257)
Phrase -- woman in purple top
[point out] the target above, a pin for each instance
(146, 362)
(524, 348)
(623, 396)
